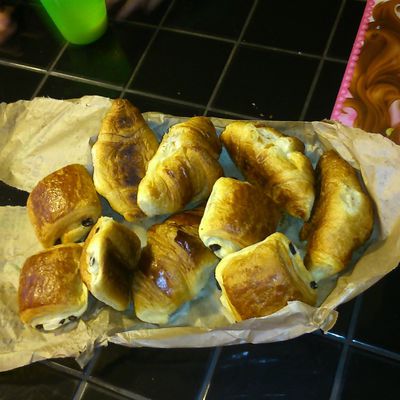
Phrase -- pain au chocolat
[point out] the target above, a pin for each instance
(260, 279)
(183, 170)
(109, 257)
(275, 162)
(51, 292)
(174, 267)
(342, 218)
(238, 214)
(64, 206)
(120, 156)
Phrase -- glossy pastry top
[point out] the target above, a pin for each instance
(64, 205)
(120, 157)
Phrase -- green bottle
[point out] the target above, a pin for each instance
(79, 21)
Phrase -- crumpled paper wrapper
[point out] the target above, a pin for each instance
(40, 136)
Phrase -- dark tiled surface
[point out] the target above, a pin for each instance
(150, 104)
(17, 84)
(112, 58)
(370, 377)
(345, 34)
(222, 18)
(379, 320)
(93, 392)
(154, 373)
(254, 84)
(37, 382)
(60, 88)
(34, 42)
(325, 92)
(343, 322)
(299, 368)
(293, 25)
(182, 66)
(10, 196)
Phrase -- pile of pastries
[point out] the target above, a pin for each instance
(213, 224)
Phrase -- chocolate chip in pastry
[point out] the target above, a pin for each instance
(238, 214)
(183, 170)
(51, 292)
(341, 221)
(64, 206)
(120, 156)
(274, 161)
(260, 279)
(109, 256)
(174, 267)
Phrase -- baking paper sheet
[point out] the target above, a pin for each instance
(39, 136)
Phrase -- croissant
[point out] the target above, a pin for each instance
(64, 206)
(342, 218)
(238, 214)
(260, 279)
(51, 292)
(173, 268)
(183, 170)
(109, 256)
(120, 156)
(274, 161)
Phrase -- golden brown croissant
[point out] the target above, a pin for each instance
(173, 268)
(275, 162)
(109, 255)
(51, 292)
(64, 206)
(120, 157)
(342, 218)
(260, 279)
(183, 170)
(237, 215)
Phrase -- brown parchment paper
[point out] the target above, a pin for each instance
(42, 135)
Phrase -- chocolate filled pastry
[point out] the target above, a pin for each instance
(173, 268)
(238, 214)
(51, 292)
(260, 279)
(120, 156)
(109, 256)
(183, 170)
(342, 218)
(275, 162)
(64, 206)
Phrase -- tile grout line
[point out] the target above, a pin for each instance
(26, 67)
(337, 386)
(230, 57)
(50, 69)
(321, 63)
(210, 373)
(146, 50)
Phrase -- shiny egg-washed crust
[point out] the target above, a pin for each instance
(60, 203)
(109, 256)
(120, 157)
(275, 162)
(260, 279)
(50, 284)
(238, 214)
(183, 170)
(173, 268)
(342, 218)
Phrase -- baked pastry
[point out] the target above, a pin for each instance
(120, 156)
(51, 292)
(183, 170)
(342, 218)
(260, 279)
(238, 214)
(173, 268)
(274, 161)
(109, 256)
(64, 206)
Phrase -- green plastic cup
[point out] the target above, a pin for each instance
(79, 21)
